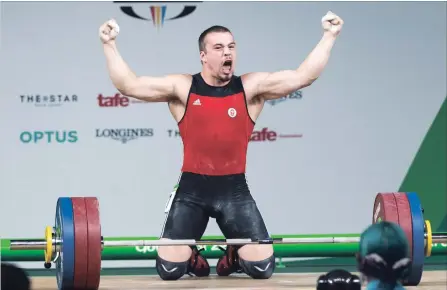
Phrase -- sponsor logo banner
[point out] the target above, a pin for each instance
(267, 135)
(51, 100)
(158, 14)
(296, 95)
(116, 101)
(49, 136)
(263, 135)
(173, 133)
(124, 135)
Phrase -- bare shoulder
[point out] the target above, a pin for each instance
(182, 85)
(179, 80)
(251, 83)
(180, 77)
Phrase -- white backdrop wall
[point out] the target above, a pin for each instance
(361, 123)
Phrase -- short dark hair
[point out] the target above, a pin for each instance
(215, 28)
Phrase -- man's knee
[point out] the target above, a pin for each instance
(258, 269)
(174, 253)
(171, 270)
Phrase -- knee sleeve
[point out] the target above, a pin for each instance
(170, 270)
(260, 269)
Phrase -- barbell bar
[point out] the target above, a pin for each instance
(41, 244)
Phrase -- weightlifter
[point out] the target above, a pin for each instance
(216, 113)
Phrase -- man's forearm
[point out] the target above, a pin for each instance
(316, 61)
(120, 73)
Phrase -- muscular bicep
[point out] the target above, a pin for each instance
(152, 89)
(277, 84)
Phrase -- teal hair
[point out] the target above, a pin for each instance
(379, 285)
(386, 239)
(384, 254)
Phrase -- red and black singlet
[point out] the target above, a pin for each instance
(215, 128)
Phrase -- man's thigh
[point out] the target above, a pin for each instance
(184, 220)
(243, 220)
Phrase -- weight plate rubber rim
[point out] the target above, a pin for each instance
(387, 210)
(404, 213)
(94, 242)
(81, 243)
(405, 216)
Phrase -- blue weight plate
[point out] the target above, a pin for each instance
(65, 232)
(418, 240)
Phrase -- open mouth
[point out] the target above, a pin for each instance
(227, 65)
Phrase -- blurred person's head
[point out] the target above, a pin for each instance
(339, 279)
(384, 256)
(14, 278)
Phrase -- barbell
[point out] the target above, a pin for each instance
(75, 243)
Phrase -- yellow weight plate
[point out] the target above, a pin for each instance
(49, 246)
(429, 240)
(429, 243)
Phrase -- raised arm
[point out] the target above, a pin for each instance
(278, 84)
(150, 89)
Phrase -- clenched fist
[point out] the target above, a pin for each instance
(332, 23)
(108, 31)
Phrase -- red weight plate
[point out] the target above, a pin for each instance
(385, 208)
(80, 242)
(94, 243)
(405, 217)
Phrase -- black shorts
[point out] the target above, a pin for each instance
(225, 198)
